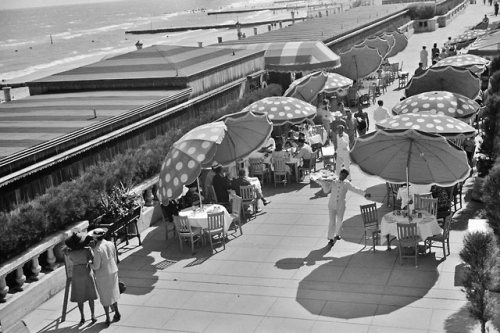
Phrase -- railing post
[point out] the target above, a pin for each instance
(3, 289)
(51, 258)
(35, 268)
(20, 277)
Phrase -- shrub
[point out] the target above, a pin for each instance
(80, 199)
(491, 197)
(422, 11)
(479, 255)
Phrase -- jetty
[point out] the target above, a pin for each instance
(214, 26)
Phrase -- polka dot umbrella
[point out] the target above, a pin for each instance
(430, 123)
(472, 62)
(466, 38)
(309, 86)
(438, 102)
(450, 78)
(282, 110)
(183, 162)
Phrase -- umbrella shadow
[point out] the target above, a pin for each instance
(378, 193)
(139, 269)
(353, 286)
(57, 326)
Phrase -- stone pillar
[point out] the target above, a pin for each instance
(20, 277)
(293, 17)
(35, 268)
(51, 259)
(3, 289)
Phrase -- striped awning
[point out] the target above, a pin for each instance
(304, 56)
(154, 62)
(38, 120)
(488, 45)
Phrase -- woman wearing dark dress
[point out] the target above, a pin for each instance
(83, 287)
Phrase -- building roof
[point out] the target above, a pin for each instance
(323, 28)
(35, 120)
(157, 61)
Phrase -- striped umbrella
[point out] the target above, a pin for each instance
(359, 61)
(472, 62)
(430, 123)
(306, 56)
(488, 45)
(308, 87)
(400, 44)
(437, 102)
(410, 156)
(391, 40)
(382, 45)
(453, 79)
(282, 110)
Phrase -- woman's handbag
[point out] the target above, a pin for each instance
(122, 287)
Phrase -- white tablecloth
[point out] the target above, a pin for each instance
(427, 224)
(199, 217)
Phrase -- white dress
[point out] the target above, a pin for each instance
(106, 272)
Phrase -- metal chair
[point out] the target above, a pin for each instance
(457, 195)
(186, 232)
(248, 198)
(280, 174)
(369, 215)
(216, 228)
(236, 207)
(443, 238)
(408, 239)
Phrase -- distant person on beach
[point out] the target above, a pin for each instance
(496, 8)
(420, 69)
(424, 56)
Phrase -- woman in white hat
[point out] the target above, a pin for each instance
(106, 273)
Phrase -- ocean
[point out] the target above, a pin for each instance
(38, 41)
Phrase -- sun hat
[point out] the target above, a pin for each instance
(337, 114)
(98, 233)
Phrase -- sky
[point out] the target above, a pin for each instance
(12, 4)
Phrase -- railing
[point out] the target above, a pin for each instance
(29, 262)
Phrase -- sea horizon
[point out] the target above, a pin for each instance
(36, 42)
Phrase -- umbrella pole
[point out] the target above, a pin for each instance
(408, 175)
(199, 191)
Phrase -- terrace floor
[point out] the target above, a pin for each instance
(279, 276)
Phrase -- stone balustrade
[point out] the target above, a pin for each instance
(28, 263)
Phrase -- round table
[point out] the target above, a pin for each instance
(426, 225)
(199, 217)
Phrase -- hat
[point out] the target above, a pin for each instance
(337, 114)
(77, 241)
(98, 232)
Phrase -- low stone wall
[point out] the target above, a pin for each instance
(444, 20)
